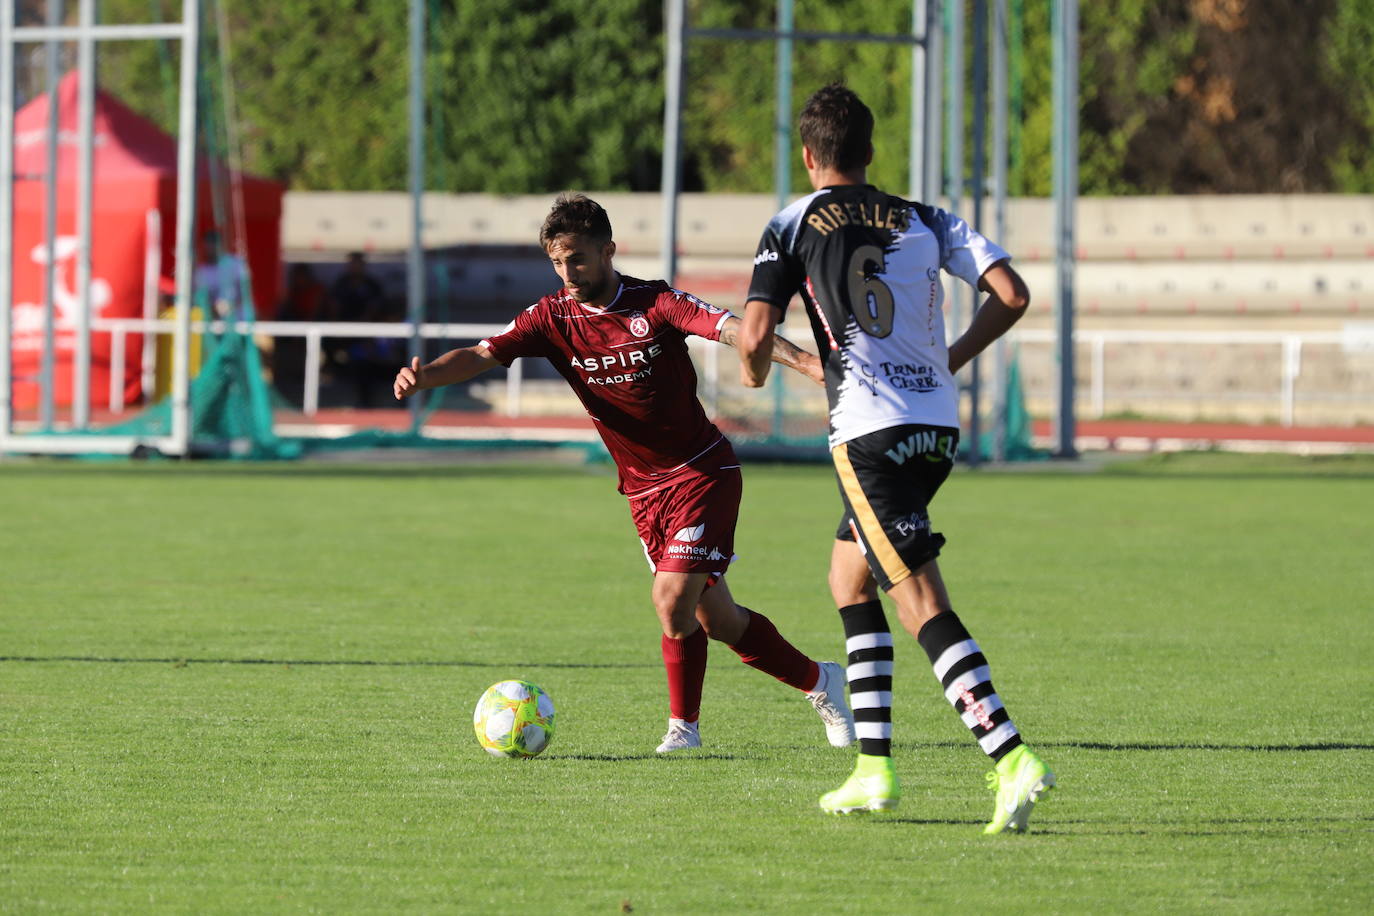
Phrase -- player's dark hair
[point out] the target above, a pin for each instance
(837, 127)
(575, 214)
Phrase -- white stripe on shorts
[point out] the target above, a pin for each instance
(997, 737)
(871, 699)
(867, 641)
(860, 670)
(952, 656)
(873, 729)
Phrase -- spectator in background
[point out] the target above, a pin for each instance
(220, 279)
(356, 293)
(372, 360)
(305, 300)
(368, 363)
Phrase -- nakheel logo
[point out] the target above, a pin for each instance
(690, 534)
(639, 325)
(767, 254)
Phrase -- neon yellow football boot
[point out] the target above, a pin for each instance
(872, 786)
(1019, 779)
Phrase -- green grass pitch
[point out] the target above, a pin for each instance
(246, 689)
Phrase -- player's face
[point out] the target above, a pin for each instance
(583, 265)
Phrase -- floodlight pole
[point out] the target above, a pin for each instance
(85, 189)
(47, 368)
(1064, 17)
(999, 218)
(933, 122)
(954, 131)
(782, 162)
(670, 183)
(918, 141)
(186, 221)
(415, 259)
(782, 115)
(6, 216)
(978, 189)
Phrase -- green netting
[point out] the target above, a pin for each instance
(1018, 432)
(231, 407)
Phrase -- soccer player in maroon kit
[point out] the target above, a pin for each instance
(621, 345)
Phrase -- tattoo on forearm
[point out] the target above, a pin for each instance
(786, 352)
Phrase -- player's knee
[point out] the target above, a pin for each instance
(847, 588)
(725, 623)
(676, 613)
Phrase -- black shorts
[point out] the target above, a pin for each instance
(887, 480)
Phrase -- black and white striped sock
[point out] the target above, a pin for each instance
(868, 643)
(963, 673)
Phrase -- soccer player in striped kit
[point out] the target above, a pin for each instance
(621, 345)
(867, 265)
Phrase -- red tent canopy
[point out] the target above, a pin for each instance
(135, 173)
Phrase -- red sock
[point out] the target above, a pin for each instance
(685, 661)
(764, 648)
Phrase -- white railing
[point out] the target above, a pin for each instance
(314, 333)
(1289, 342)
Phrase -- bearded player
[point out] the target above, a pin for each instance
(621, 345)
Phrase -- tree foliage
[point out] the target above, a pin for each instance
(1350, 66)
(535, 95)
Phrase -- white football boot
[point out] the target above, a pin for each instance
(681, 735)
(828, 698)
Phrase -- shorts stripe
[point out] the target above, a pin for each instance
(873, 532)
(867, 641)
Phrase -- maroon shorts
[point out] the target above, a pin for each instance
(689, 525)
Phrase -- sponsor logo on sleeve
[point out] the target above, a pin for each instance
(764, 256)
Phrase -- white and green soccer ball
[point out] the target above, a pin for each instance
(514, 719)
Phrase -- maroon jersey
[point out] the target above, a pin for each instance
(629, 366)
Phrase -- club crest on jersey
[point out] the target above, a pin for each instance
(639, 325)
(690, 533)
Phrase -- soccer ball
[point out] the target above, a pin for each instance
(514, 719)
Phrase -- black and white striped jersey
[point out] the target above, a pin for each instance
(867, 265)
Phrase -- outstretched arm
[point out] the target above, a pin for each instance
(735, 333)
(1006, 303)
(454, 366)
